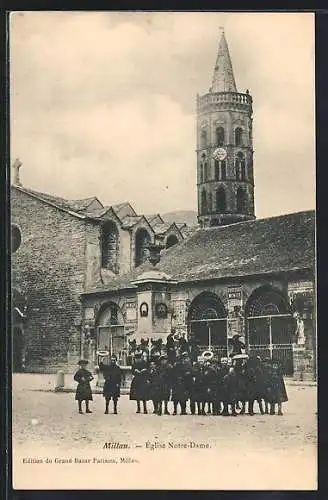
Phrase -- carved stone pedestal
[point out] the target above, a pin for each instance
(303, 363)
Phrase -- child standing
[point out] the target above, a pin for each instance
(83, 391)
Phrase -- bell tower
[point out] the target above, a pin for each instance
(225, 182)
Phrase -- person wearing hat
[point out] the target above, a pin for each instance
(112, 386)
(237, 345)
(83, 391)
(164, 389)
(139, 389)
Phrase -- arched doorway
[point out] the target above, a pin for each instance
(18, 349)
(110, 333)
(270, 326)
(207, 324)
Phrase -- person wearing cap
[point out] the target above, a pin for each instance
(83, 391)
(164, 389)
(180, 384)
(139, 389)
(112, 386)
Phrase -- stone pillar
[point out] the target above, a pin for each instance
(153, 305)
(301, 296)
(236, 320)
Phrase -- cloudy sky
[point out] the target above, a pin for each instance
(104, 103)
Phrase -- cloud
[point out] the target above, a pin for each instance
(103, 103)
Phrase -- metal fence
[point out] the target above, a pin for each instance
(271, 337)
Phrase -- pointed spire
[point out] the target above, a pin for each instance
(223, 77)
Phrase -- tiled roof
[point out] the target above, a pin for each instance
(161, 228)
(155, 218)
(81, 205)
(130, 221)
(71, 205)
(282, 243)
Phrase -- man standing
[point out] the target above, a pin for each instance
(112, 386)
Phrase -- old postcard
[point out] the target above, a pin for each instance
(163, 250)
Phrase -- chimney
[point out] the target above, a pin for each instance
(16, 166)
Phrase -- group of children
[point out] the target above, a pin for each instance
(219, 387)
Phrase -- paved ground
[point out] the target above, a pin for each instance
(259, 452)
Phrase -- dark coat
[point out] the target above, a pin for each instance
(196, 385)
(139, 389)
(83, 390)
(275, 391)
(180, 383)
(113, 379)
(160, 383)
(230, 388)
(209, 383)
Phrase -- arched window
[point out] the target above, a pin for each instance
(202, 331)
(240, 167)
(217, 169)
(238, 136)
(243, 170)
(141, 249)
(219, 132)
(109, 246)
(206, 171)
(201, 172)
(223, 170)
(221, 200)
(210, 203)
(241, 201)
(204, 202)
(110, 336)
(220, 170)
(171, 240)
(203, 139)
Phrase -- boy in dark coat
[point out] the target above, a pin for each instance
(83, 391)
(165, 374)
(276, 390)
(112, 386)
(139, 390)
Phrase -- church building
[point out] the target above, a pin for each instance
(139, 278)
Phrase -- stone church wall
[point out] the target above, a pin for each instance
(49, 269)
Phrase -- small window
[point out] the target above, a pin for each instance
(219, 136)
(171, 240)
(142, 241)
(238, 136)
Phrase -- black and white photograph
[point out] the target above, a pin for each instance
(163, 250)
